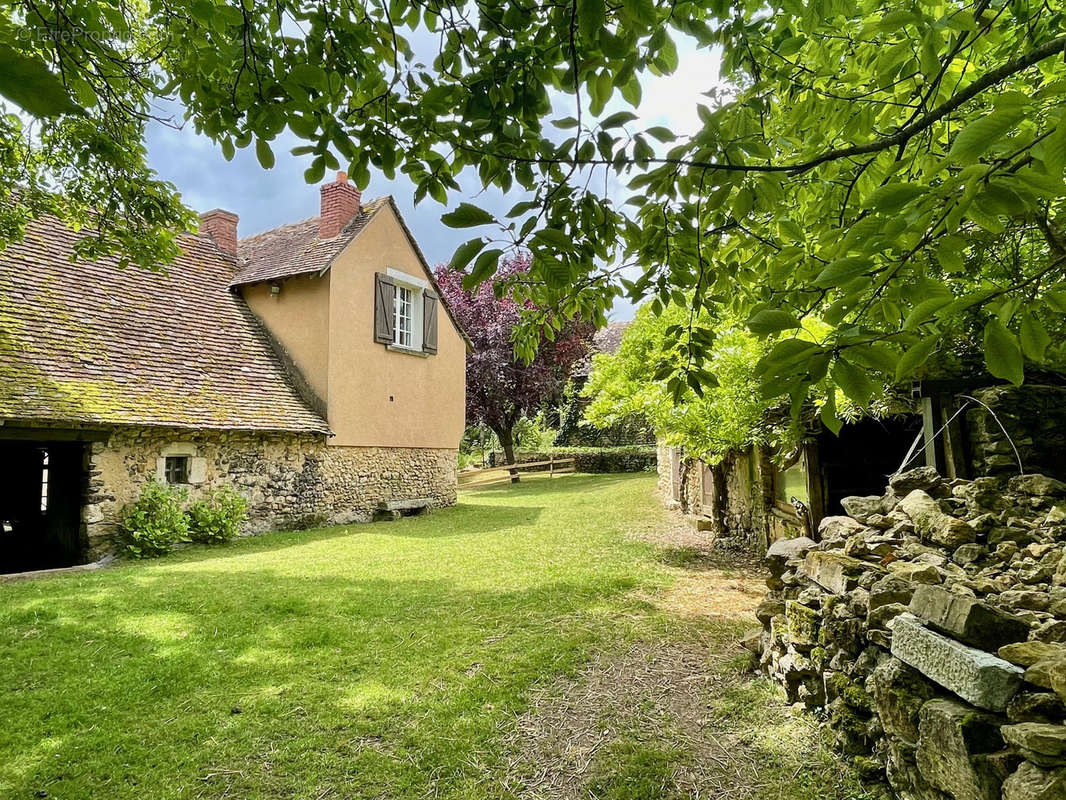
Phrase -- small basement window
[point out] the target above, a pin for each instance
(176, 469)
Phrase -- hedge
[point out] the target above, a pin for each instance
(589, 459)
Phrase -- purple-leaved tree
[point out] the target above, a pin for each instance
(501, 388)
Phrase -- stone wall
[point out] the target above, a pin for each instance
(1035, 419)
(929, 627)
(745, 517)
(290, 480)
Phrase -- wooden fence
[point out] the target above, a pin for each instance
(483, 477)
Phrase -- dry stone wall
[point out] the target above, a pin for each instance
(929, 627)
(289, 480)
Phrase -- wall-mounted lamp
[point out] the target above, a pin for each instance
(275, 289)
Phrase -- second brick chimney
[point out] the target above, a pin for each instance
(221, 226)
(340, 203)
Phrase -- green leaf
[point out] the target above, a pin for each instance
(828, 414)
(662, 134)
(1056, 300)
(264, 153)
(591, 16)
(843, 270)
(1034, 338)
(786, 354)
(484, 267)
(464, 253)
(872, 356)
(467, 216)
(925, 311)
(315, 172)
(914, 357)
(891, 197)
(853, 381)
(743, 203)
(29, 83)
(981, 134)
(772, 320)
(554, 238)
(949, 255)
(618, 119)
(1003, 356)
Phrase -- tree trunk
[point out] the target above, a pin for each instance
(506, 438)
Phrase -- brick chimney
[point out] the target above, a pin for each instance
(222, 227)
(340, 203)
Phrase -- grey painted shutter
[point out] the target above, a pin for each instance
(384, 308)
(429, 322)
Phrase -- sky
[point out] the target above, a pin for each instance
(265, 199)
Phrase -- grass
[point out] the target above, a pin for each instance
(389, 660)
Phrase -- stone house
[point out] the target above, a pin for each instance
(313, 367)
(963, 428)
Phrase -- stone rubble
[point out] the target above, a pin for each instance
(928, 627)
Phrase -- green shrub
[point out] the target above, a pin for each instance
(218, 516)
(153, 524)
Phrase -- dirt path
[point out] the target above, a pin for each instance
(680, 717)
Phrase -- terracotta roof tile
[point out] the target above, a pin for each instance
(296, 249)
(87, 342)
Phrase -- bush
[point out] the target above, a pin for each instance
(217, 517)
(153, 524)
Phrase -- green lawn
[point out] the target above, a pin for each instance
(390, 660)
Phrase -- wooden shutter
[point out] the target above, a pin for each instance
(384, 308)
(429, 322)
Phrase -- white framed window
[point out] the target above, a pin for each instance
(408, 309)
(403, 317)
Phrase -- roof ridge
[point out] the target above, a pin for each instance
(277, 228)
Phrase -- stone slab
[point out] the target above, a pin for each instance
(1030, 782)
(803, 624)
(1025, 654)
(978, 677)
(967, 619)
(954, 741)
(833, 571)
(1042, 743)
(933, 524)
(405, 505)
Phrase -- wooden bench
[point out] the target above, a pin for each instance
(394, 509)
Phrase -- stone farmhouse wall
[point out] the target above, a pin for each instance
(290, 480)
(929, 626)
(1034, 417)
(748, 519)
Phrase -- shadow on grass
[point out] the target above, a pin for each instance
(138, 688)
(559, 484)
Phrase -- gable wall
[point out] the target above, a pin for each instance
(378, 397)
(298, 317)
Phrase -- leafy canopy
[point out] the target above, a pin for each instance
(893, 168)
(709, 423)
(501, 389)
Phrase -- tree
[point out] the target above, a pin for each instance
(852, 168)
(501, 388)
(708, 423)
